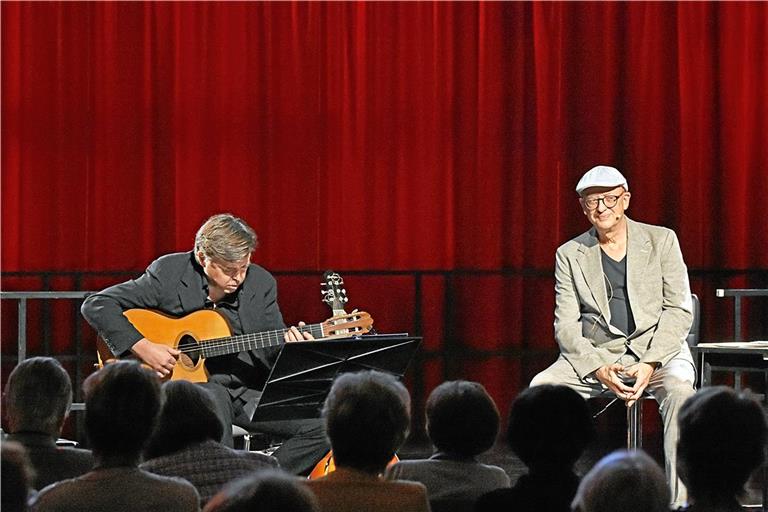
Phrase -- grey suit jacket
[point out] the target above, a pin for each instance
(658, 290)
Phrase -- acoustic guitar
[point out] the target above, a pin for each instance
(206, 333)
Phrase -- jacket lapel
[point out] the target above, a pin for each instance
(248, 321)
(638, 253)
(188, 296)
(592, 269)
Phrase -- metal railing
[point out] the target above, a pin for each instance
(737, 294)
(453, 351)
(21, 342)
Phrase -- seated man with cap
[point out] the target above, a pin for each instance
(623, 310)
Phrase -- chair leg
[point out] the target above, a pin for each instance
(247, 442)
(635, 426)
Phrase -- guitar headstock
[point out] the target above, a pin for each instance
(333, 292)
(357, 322)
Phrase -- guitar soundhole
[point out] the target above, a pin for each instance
(190, 355)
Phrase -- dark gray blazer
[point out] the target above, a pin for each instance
(50, 462)
(175, 284)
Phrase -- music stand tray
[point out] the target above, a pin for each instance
(304, 371)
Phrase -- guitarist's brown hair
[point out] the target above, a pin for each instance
(225, 237)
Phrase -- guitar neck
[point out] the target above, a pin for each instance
(231, 344)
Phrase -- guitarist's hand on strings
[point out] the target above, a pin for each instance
(160, 358)
(293, 334)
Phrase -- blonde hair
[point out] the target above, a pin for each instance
(225, 237)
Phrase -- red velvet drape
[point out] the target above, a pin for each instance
(386, 136)
(378, 135)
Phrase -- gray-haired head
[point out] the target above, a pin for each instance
(38, 396)
(225, 237)
(367, 415)
(626, 481)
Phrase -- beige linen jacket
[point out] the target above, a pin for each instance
(658, 290)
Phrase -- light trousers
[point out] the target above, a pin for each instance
(669, 385)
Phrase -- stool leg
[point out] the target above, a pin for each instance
(635, 426)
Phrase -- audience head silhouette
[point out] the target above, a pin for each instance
(17, 476)
(38, 396)
(122, 401)
(177, 426)
(722, 437)
(265, 491)
(367, 415)
(626, 481)
(462, 418)
(549, 427)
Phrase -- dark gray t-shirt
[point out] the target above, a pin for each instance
(616, 285)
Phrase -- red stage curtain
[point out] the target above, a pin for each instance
(377, 135)
(384, 136)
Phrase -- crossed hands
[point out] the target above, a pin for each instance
(618, 378)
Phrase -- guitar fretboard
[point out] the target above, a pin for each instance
(231, 344)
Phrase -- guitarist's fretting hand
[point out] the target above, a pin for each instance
(160, 358)
(293, 334)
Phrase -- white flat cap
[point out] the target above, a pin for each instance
(601, 176)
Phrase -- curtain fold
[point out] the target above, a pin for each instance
(377, 135)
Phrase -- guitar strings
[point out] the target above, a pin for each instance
(229, 341)
(333, 281)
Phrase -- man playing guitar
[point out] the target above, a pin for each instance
(217, 275)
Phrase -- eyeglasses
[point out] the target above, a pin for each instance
(232, 269)
(609, 201)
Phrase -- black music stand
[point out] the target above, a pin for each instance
(304, 371)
